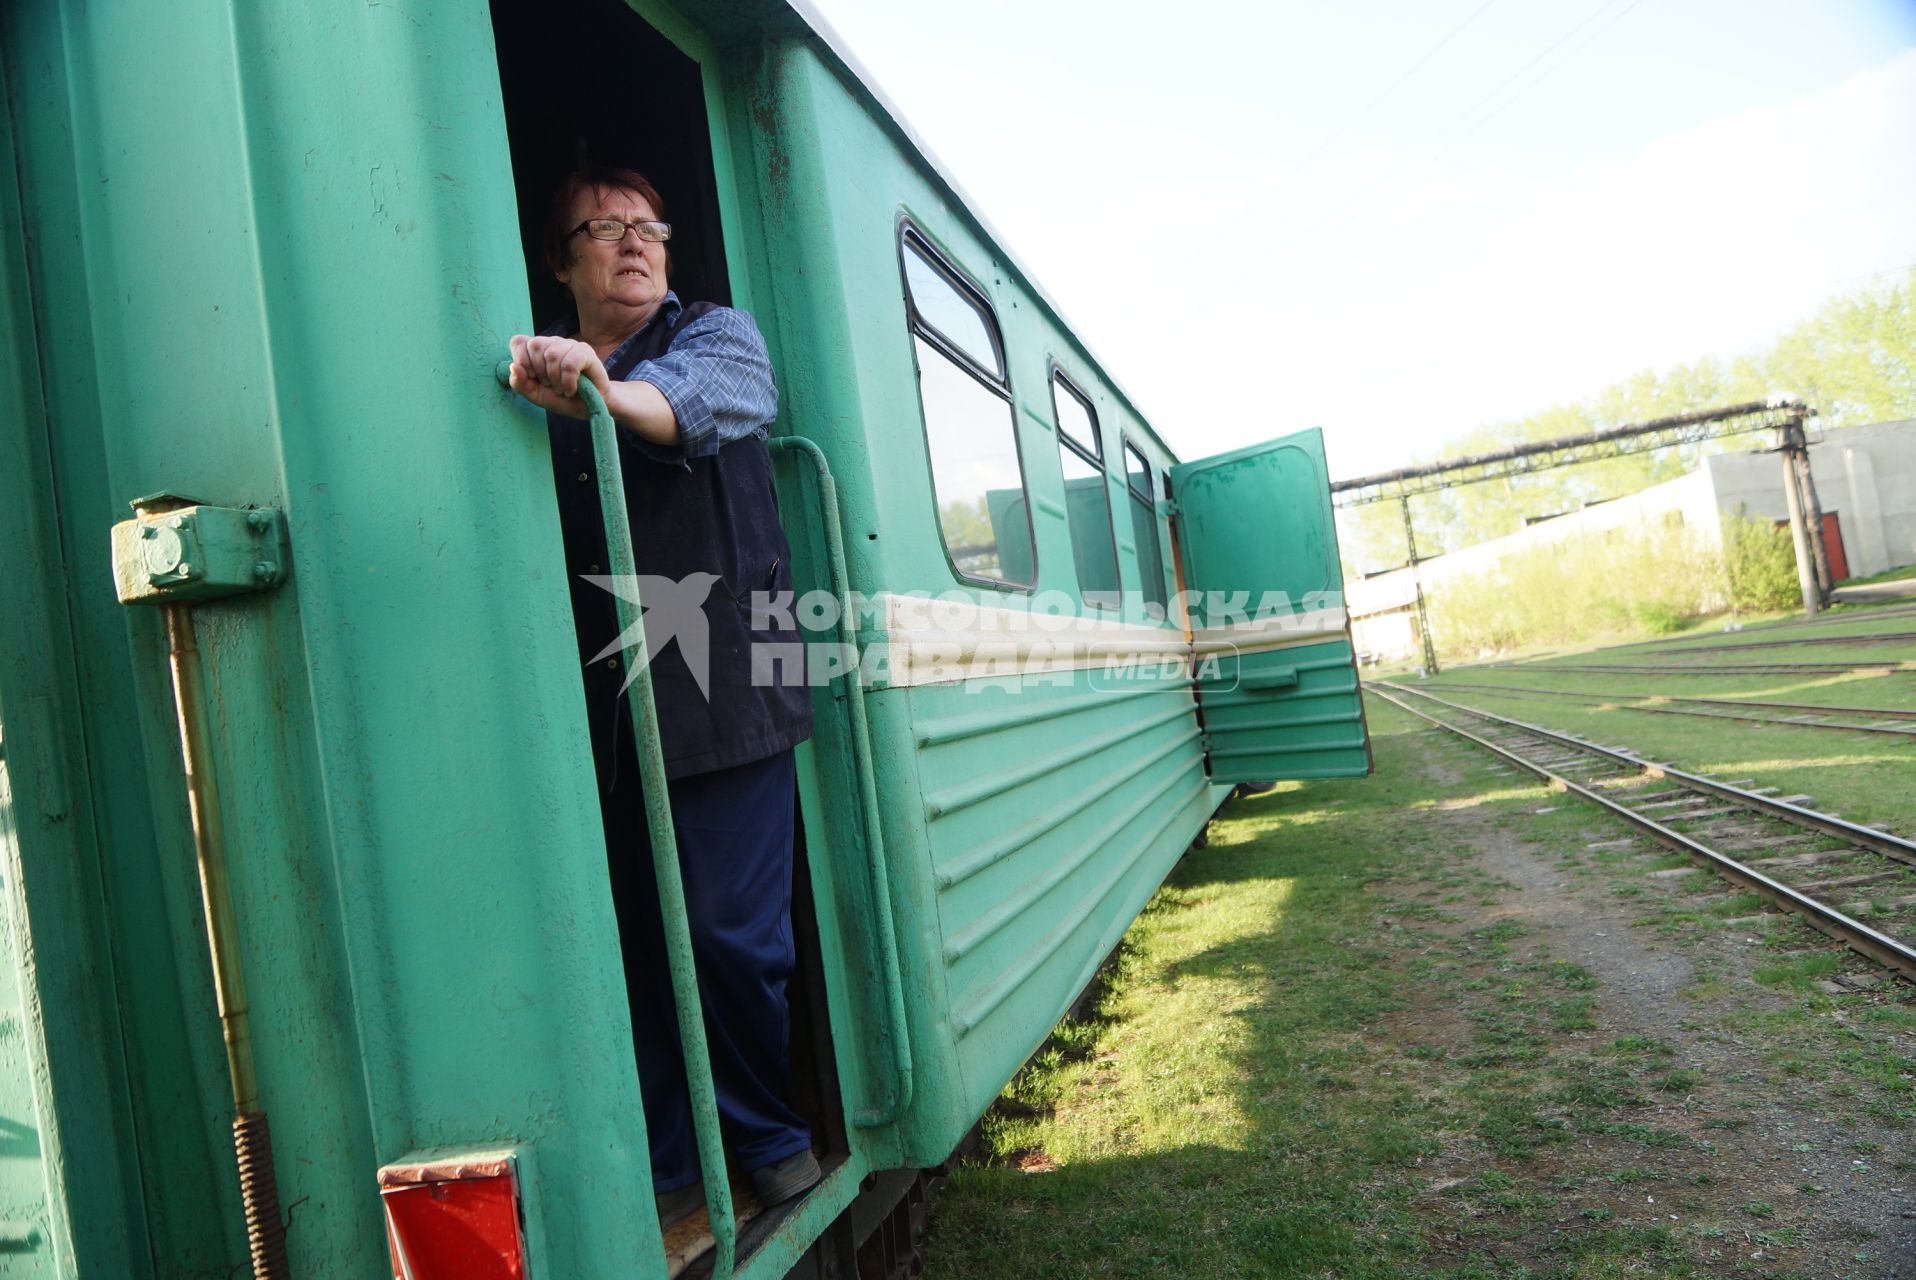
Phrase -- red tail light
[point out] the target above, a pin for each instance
(454, 1219)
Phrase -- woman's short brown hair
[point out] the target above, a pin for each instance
(599, 179)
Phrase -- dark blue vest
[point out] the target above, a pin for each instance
(717, 515)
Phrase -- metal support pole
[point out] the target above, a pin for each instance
(1813, 520)
(1788, 437)
(1417, 581)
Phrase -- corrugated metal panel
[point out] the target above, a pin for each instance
(1054, 808)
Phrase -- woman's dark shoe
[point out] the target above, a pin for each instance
(794, 1175)
(676, 1206)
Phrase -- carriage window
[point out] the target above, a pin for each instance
(938, 305)
(1087, 498)
(1144, 529)
(976, 476)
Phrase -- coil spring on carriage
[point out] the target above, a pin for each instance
(259, 1193)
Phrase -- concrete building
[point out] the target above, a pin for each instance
(1865, 480)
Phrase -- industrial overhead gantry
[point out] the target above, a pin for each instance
(1785, 415)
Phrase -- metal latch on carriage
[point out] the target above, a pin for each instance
(176, 549)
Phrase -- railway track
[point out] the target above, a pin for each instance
(1862, 640)
(1817, 623)
(1662, 648)
(1817, 865)
(1893, 666)
(1798, 715)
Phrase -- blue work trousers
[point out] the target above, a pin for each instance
(734, 830)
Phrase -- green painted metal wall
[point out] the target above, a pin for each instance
(58, 831)
(275, 266)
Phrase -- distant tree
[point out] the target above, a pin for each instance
(1854, 360)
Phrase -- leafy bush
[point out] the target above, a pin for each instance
(1760, 560)
(1577, 589)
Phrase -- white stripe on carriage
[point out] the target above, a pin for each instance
(941, 641)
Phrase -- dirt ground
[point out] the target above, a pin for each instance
(1795, 1177)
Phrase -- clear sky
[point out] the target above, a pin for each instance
(1400, 221)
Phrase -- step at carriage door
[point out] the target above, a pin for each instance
(1276, 670)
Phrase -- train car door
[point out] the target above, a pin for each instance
(633, 86)
(1264, 598)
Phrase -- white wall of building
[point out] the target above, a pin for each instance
(1866, 475)
(1684, 503)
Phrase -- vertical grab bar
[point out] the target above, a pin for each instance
(879, 875)
(658, 815)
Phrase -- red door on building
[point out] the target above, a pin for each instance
(1833, 543)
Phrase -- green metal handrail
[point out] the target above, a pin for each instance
(658, 814)
(880, 876)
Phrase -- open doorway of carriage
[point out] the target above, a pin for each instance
(602, 86)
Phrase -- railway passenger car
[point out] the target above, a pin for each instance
(259, 262)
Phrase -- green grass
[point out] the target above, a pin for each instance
(1887, 575)
(1318, 1056)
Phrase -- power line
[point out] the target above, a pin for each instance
(1271, 174)
(1552, 69)
(1871, 275)
(1403, 164)
(1394, 85)
(1549, 49)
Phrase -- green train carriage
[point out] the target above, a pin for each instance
(266, 257)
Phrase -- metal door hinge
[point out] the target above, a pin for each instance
(176, 549)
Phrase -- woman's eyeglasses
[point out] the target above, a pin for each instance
(615, 229)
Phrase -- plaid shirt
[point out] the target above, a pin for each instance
(716, 376)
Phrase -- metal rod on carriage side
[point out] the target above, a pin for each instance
(252, 1139)
(876, 867)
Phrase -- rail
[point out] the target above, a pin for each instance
(1887, 667)
(1829, 824)
(1879, 947)
(1718, 708)
(658, 814)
